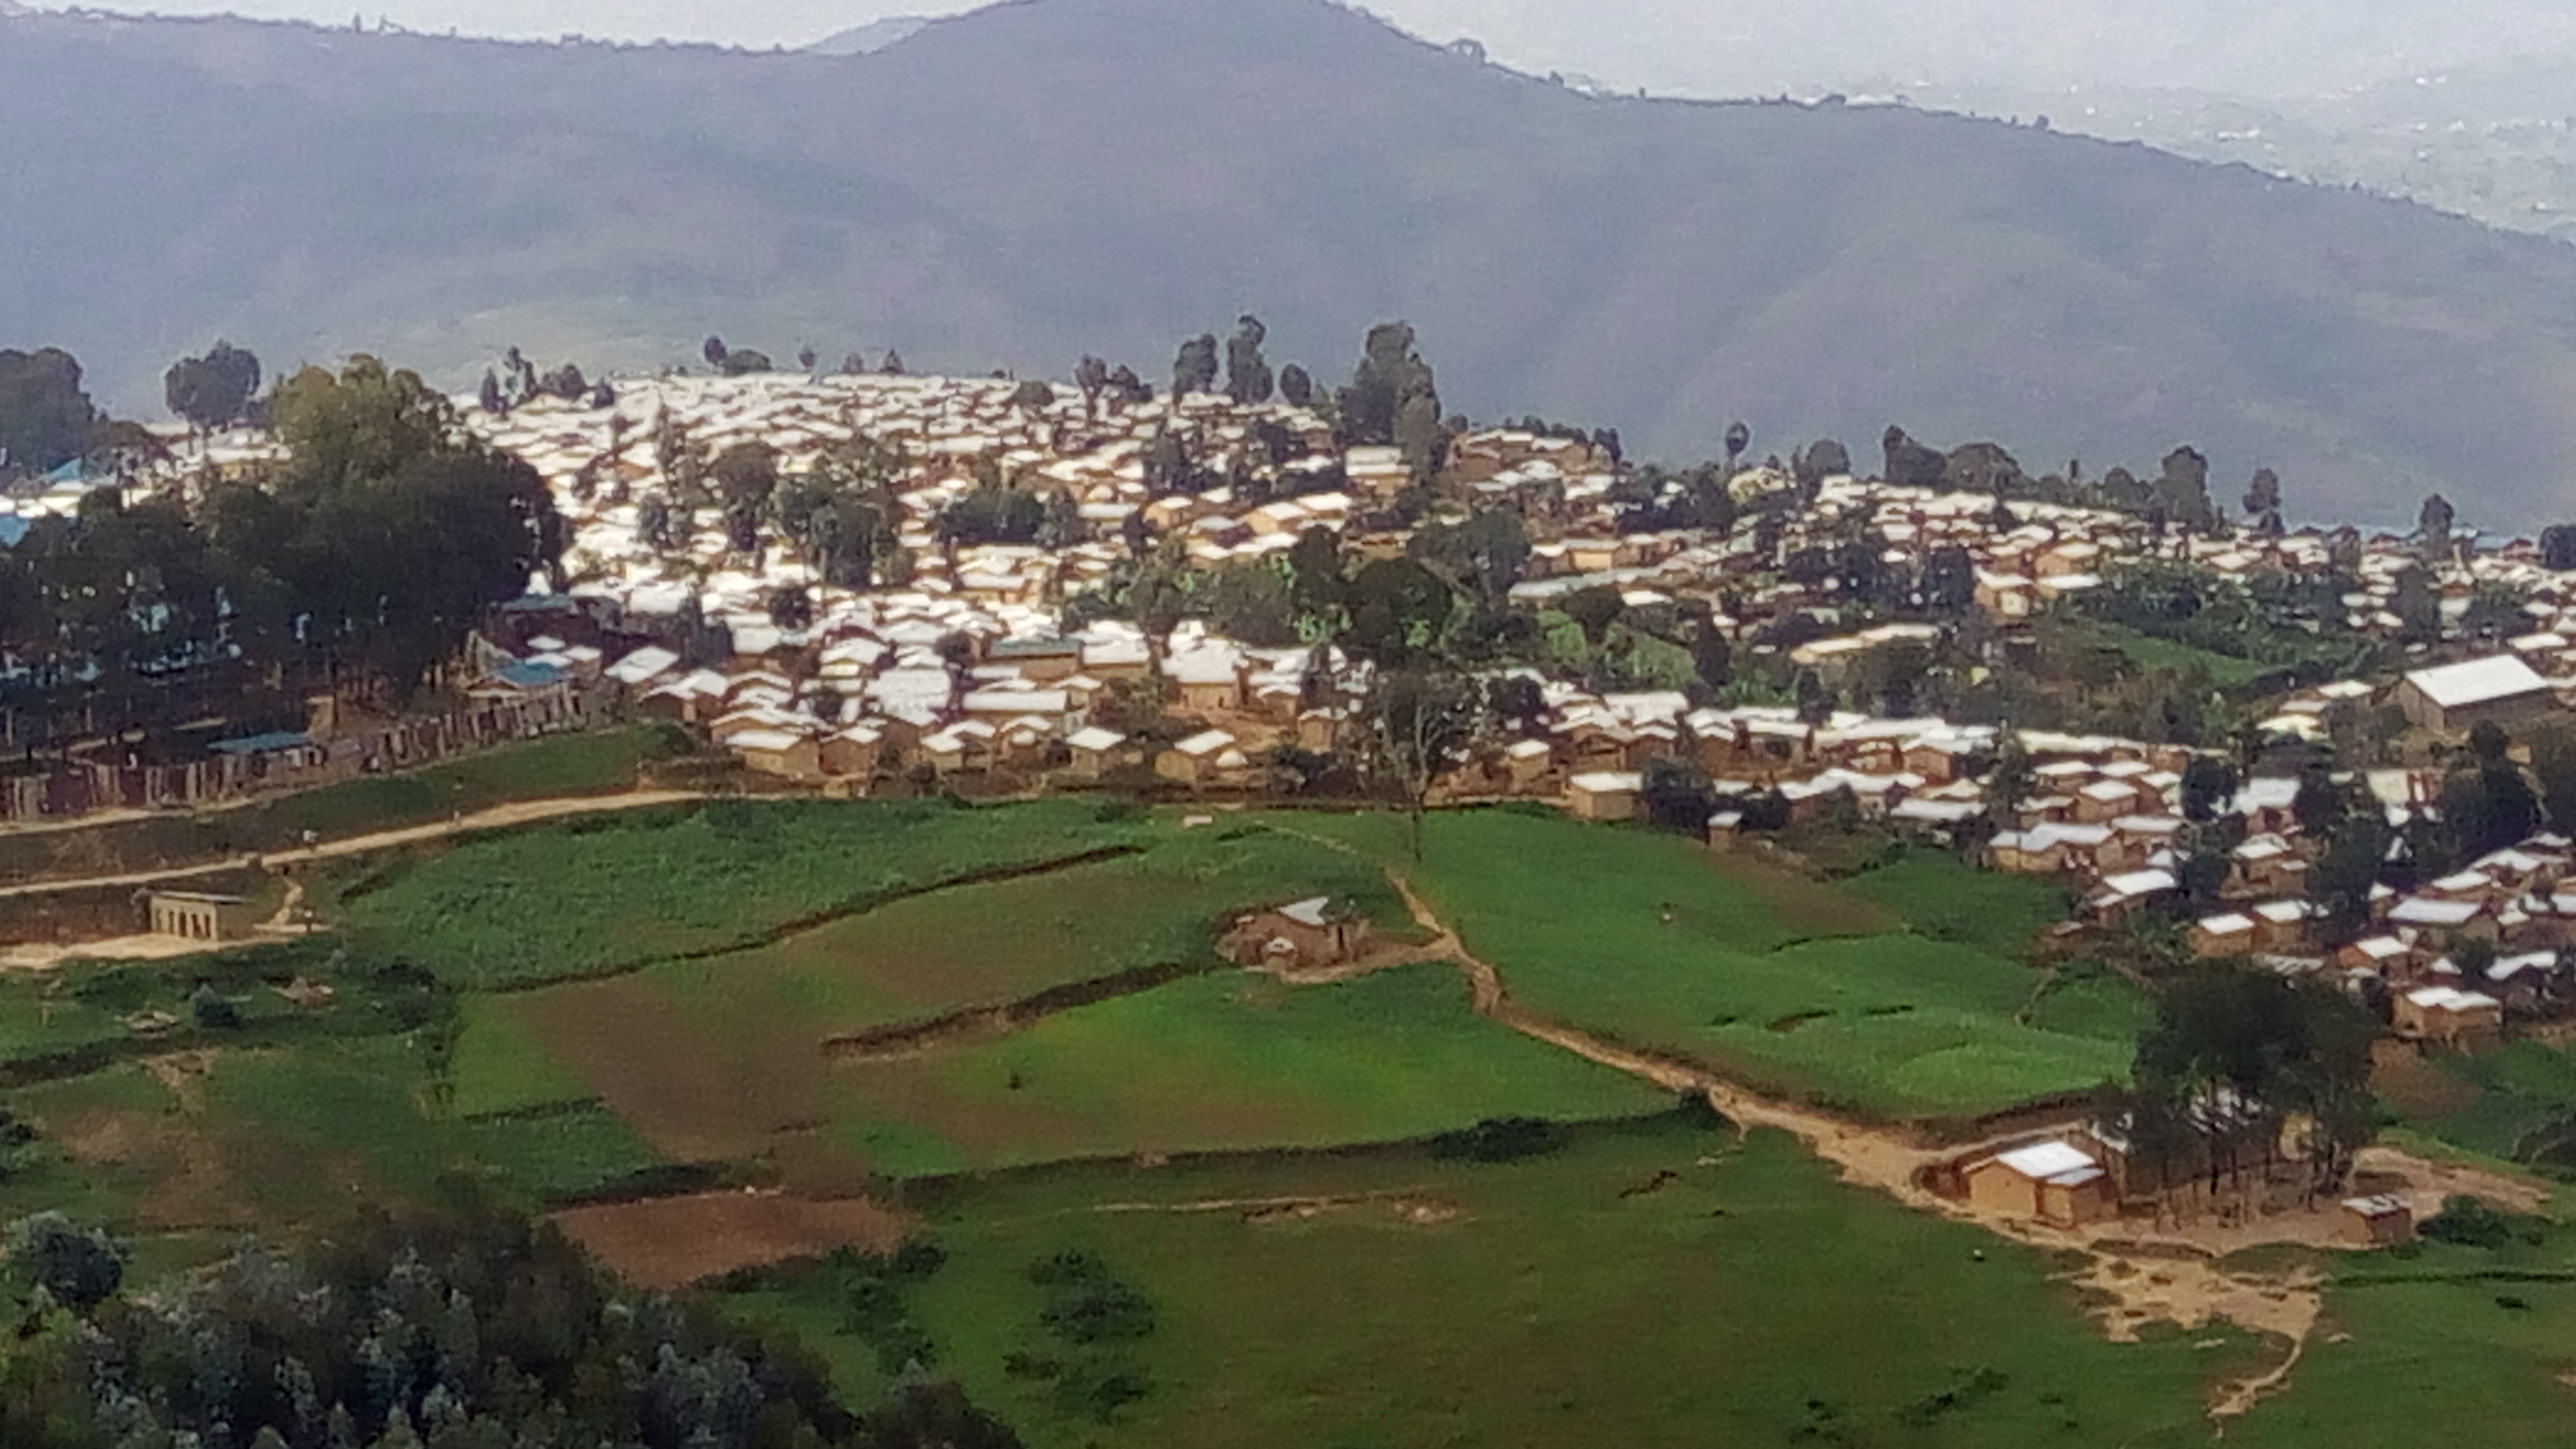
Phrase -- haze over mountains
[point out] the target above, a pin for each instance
(1052, 177)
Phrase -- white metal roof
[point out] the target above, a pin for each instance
(2047, 1159)
(2479, 681)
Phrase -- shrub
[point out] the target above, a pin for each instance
(1500, 1139)
(2470, 1222)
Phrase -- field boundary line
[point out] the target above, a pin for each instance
(831, 916)
(1003, 1017)
(499, 817)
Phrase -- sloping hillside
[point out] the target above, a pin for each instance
(1057, 176)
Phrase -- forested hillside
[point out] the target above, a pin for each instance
(1023, 185)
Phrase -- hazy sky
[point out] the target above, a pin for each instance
(2255, 47)
(763, 23)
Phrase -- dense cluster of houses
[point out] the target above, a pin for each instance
(971, 665)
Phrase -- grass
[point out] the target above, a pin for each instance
(1639, 936)
(2149, 652)
(2525, 1110)
(304, 1131)
(501, 1066)
(557, 1156)
(612, 894)
(562, 765)
(931, 955)
(715, 1059)
(1942, 897)
(1645, 1286)
(1226, 1063)
(2442, 1344)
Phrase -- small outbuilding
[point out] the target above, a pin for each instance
(196, 916)
(1605, 795)
(2053, 1182)
(2382, 1221)
(1302, 935)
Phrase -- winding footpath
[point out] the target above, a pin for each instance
(2135, 1280)
(499, 817)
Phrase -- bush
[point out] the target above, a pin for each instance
(1500, 1139)
(78, 1267)
(1099, 1312)
(2470, 1222)
(1696, 1110)
(213, 1010)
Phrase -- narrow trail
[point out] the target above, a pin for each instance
(2133, 1279)
(499, 817)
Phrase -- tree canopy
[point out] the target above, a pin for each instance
(213, 392)
(46, 418)
(466, 1328)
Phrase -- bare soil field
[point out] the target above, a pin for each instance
(670, 1243)
(1806, 906)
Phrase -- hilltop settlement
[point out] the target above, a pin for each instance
(2335, 756)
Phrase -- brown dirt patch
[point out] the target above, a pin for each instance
(1806, 906)
(699, 1087)
(945, 951)
(2420, 1089)
(671, 1243)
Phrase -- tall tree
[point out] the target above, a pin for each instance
(46, 418)
(213, 392)
(404, 527)
(2558, 547)
(1195, 369)
(2435, 526)
(1416, 717)
(1394, 399)
(1247, 373)
(1296, 386)
(2182, 490)
(2263, 500)
(2289, 1049)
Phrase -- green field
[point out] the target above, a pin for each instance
(1644, 1286)
(722, 1058)
(1272, 1179)
(565, 765)
(614, 893)
(2148, 651)
(989, 944)
(549, 1157)
(2433, 1344)
(1224, 1063)
(2524, 1107)
(1641, 937)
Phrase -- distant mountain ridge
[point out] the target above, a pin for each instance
(872, 37)
(1052, 177)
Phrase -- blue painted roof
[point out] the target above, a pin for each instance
(262, 744)
(525, 674)
(12, 529)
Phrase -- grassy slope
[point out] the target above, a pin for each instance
(1226, 1062)
(2525, 1108)
(1552, 1301)
(568, 765)
(1904, 1024)
(613, 894)
(1209, 1063)
(931, 955)
(2151, 652)
(2439, 1344)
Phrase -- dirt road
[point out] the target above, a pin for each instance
(2165, 1275)
(499, 817)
